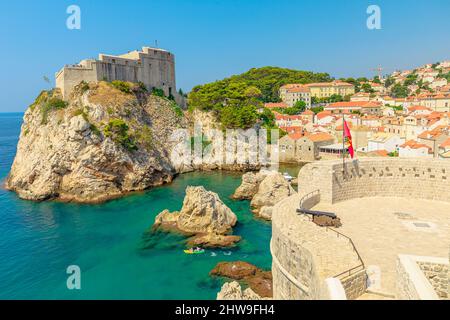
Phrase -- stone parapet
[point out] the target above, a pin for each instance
(368, 177)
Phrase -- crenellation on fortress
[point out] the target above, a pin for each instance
(154, 67)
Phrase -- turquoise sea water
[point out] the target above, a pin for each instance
(111, 243)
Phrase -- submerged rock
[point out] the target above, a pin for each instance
(236, 270)
(213, 240)
(258, 280)
(204, 217)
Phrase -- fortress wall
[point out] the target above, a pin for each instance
(418, 178)
(302, 259)
(110, 72)
(315, 176)
(160, 73)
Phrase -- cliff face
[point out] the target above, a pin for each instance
(264, 189)
(105, 141)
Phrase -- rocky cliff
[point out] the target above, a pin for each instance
(104, 141)
(249, 186)
(264, 189)
(108, 139)
(271, 190)
(233, 291)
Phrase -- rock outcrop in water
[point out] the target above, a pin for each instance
(265, 189)
(103, 142)
(258, 280)
(249, 186)
(271, 190)
(233, 291)
(204, 217)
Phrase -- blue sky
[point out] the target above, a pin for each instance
(213, 39)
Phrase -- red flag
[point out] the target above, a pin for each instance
(348, 139)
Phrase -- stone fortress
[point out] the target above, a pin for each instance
(154, 67)
(395, 234)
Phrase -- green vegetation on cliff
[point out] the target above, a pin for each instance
(48, 101)
(237, 99)
(123, 86)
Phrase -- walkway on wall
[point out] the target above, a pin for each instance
(384, 227)
(303, 209)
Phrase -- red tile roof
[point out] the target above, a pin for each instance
(323, 114)
(321, 136)
(414, 145)
(354, 104)
(329, 84)
(295, 136)
(292, 129)
(299, 89)
(417, 108)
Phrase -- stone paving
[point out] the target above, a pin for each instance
(383, 227)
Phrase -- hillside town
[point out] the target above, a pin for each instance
(404, 114)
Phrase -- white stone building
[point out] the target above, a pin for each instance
(384, 141)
